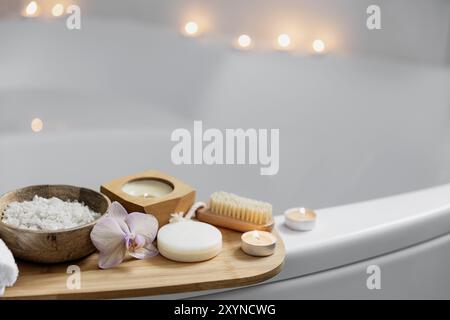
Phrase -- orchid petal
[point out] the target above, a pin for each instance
(123, 226)
(107, 234)
(112, 259)
(143, 224)
(116, 210)
(146, 252)
(108, 237)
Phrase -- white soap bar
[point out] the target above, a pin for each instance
(189, 241)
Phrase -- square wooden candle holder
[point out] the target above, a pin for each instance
(165, 194)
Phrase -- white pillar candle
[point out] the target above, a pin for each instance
(258, 243)
(301, 219)
(147, 188)
(189, 241)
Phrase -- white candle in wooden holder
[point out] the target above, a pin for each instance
(147, 188)
(301, 219)
(258, 243)
(152, 192)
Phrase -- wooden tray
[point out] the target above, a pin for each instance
(231, 268)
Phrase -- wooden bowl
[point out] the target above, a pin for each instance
(51, 246)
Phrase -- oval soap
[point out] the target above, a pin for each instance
(189, 241)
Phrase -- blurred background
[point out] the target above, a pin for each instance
(368, 117)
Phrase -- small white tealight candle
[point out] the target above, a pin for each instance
(147, 188)
(258, 243)
(301, 219)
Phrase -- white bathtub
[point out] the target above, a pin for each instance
(352, 128)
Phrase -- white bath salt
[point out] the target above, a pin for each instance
(48, 214)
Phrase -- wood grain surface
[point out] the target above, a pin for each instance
(133, 278)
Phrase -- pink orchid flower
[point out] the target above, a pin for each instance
(118, 233)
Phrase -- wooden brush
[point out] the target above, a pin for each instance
(237, 213)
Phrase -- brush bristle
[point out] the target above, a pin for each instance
(244, 209)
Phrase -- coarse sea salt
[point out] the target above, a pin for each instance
(48, 214)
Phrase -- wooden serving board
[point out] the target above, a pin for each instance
(134, 278)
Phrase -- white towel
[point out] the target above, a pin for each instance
(8, 268)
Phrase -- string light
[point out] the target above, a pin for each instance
(31, 9)
(37, 125)
(318, 46)
(58, 10)
(244, 41)
(284, 41)
(191, 28)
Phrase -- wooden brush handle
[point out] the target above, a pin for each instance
(205, 215)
